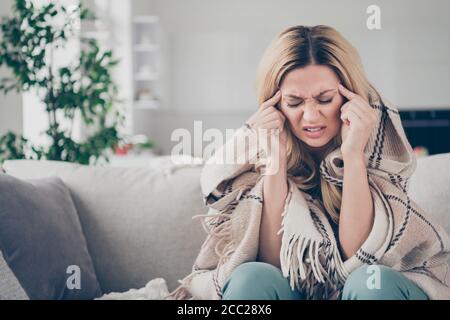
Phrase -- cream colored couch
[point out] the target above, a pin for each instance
(137, 221)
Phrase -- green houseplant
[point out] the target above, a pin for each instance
(28, 40)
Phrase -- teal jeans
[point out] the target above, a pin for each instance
(263, 281)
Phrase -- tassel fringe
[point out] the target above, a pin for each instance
(182, 291)
(316, 267)
(313, 269)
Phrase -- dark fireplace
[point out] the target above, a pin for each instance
(428, 129)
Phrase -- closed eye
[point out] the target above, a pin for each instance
(320, 102)
(294, 105)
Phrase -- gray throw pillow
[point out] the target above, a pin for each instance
(42, 241)
(10, 288)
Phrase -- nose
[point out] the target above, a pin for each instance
(310, 113)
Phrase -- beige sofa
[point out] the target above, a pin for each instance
(137, 221)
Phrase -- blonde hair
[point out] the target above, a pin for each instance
(297, 47)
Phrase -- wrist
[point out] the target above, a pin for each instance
(282, 158)
(354, 158)
(277, 151)
(276, 165)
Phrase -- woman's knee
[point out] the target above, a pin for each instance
(378, 282)
(256, 281)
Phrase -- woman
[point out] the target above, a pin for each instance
(310, 229)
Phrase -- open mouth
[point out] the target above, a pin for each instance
(314, 132)
(314, 129)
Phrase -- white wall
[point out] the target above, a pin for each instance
(115, 16)
(213, 48)
(10, 105)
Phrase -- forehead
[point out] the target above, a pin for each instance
(309, 80)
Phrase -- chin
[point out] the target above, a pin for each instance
(315, 143)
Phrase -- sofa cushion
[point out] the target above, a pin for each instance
(430, 187)
(10, 288)
(137, 221)
(42, 241)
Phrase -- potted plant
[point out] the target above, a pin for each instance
(85, 86)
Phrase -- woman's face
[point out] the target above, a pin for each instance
(311, 103)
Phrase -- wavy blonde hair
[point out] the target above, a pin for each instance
(297, 47)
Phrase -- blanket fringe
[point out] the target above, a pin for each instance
(219, 226)
(222, 230)
(316, 267)
(182, 291)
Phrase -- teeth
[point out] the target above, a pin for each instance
(313, 129)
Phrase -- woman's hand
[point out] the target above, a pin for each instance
(359, 119)
(270, 118)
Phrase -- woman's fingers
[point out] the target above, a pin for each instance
(356, 99)
(349, 117)
(272, 101)
(369, 114)
(362, 109)
(346, 93)
(271, 124)
(344, 109)
(272, 116)
(267, 112)
(355, 109)
(272, 112)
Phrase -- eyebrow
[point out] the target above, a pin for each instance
(299, 97)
